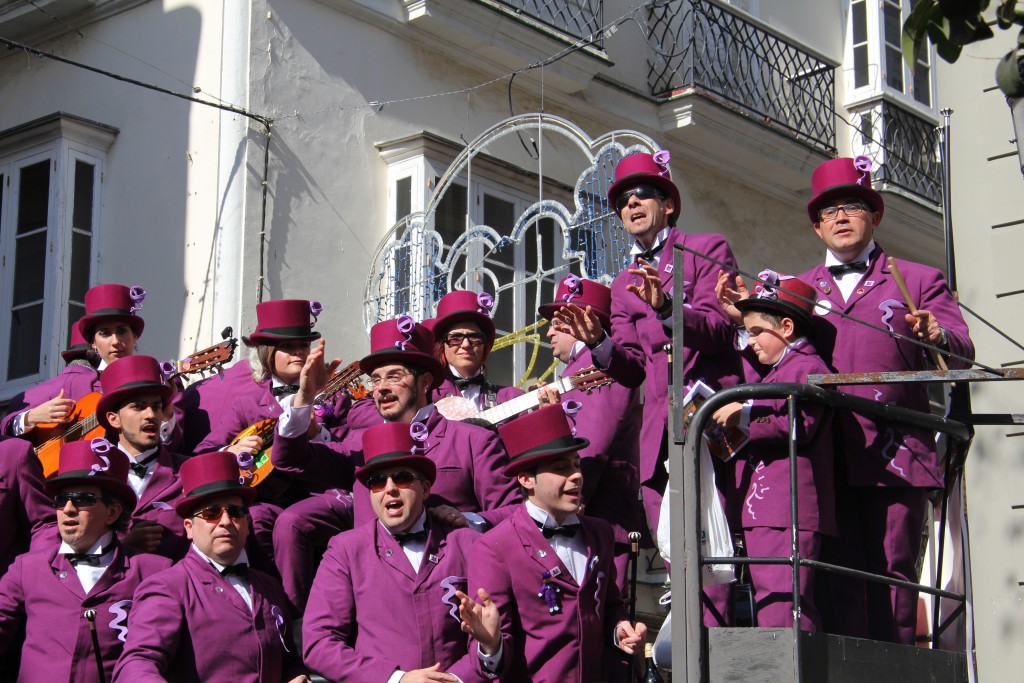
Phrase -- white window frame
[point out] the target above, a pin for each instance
(877, 83)
(62, 140)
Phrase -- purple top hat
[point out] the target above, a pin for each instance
(462, 306)
(284, 320)
(778, 297)
(536, 437)
(93, 463)
(843, 177)
(207, 476)
(645, 169)
(396, 444)
(583, 293)
(402, 341)
(79, 347)
(127, 377)
(112, 302)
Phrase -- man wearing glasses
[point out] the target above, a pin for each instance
(403, 560)
(211, 617)
(74, 597)
(889, 471)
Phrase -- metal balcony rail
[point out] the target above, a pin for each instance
(576, 18)
(911, 153)
(703, 48)
(696, 655)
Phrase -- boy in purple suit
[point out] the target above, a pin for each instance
(418, 564)
(778, 325)
(211, 617)
(464, 334)
(888, 470)
(550, 610)
(649, 205)
(609, 418)
(73, 598)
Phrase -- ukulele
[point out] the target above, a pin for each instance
(459, 408)
(261, 473)
(82, 423)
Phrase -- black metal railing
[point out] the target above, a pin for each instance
(911, 153)
(701, 47)
(575, 18)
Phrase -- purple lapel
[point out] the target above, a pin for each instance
(540, 551)
(163, 478)
(390, 552)
(206, 574)
(66, 575)
(667, 266)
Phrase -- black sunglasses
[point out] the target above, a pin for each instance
(80, 499)
(456, 339)
(641, 192)
(213, 513)
(403, 480)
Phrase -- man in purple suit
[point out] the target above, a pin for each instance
(135, 401)
(418, 564)
(648, 204)
(403, 370)
(211, 617)
(889, 469)
(464, 334)
(609, 418)
(74, 597)
(26, 511)
(778, 324)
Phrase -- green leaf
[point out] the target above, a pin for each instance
(916, 29)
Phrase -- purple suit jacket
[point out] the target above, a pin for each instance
(566, 647)
(639, 336)
(26, 511)
(42, 591)
(762, 467)
(157, 504)
(75, 380)
(469, 461)
(205, 401)
(347, 638)
(253, 402)
(610, 419)
(190, 625)
(882, 454)
(502, 393)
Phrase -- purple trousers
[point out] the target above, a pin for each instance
(880, 531)
(301, 535)
(773, 583)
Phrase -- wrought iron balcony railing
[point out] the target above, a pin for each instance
(575, 18)
(911, 153)
(701, 47)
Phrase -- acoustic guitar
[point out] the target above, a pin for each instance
(48, 437)
(274, 487)
(463, 409)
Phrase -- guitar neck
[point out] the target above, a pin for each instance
(520, 404)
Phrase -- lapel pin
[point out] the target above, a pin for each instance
(219, 589)
(433, 558)
(549, 591)
(542, 553)
(668, 269)
(869, 283)
(63, 574)
(860, 290)
(388, 552)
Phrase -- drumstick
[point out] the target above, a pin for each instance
(898, 277)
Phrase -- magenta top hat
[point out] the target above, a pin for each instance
(583, 293)
(843, 177)
(93, 463)
(462, 306)
(646, 169)
(127, 377)
(210, 475)
(284, 320)
(112, 302)
(402, 341)
(536, 437)
(79, 347)
(777, 296)
(396, 444)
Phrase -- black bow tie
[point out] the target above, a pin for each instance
(140, 468)
(83, 558)
(463, 382)
(284, 390)
(853, 267)
(567, 530)
(412, 537)
(241, 570)
(649, 254)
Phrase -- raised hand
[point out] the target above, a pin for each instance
(481, 620)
